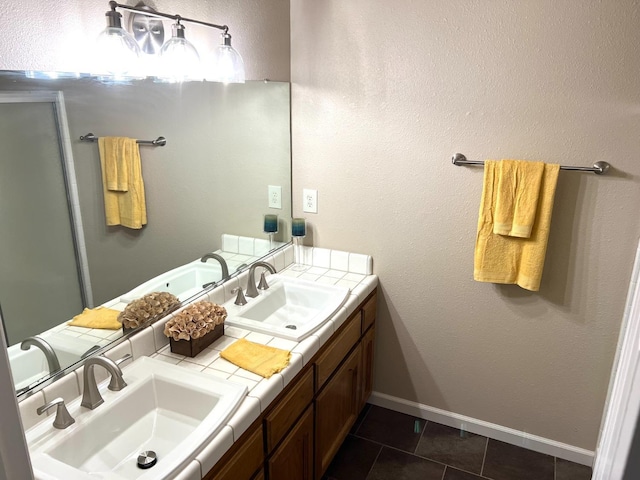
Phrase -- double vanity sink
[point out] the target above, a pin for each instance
(166, 411)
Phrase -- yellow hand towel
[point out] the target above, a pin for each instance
(114, 151)
(259, 359)
(505, 259)
(122, 207)
(517, 197)
(100, 317)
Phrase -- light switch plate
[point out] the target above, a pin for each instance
(309, 200)
(275, 196)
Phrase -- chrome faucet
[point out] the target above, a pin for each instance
(91, 397)
(252, 291)
(223, 263)
(49, 352)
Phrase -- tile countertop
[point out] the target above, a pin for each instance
(321, 265)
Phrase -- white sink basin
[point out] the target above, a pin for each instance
(183, 282)
(165, 408)
(291, 308)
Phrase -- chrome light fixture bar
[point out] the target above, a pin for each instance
(227, 67)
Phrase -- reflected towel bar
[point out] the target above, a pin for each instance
(158, 142)
(599, 168)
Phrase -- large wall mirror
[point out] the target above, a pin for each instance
(225, 145)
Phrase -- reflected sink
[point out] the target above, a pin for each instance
(183, 282)
(165, 408)
(29, 366)
(291, 308)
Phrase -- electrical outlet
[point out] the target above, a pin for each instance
(309, 201)
(275, 196)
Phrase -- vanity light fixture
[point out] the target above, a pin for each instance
(119, 51)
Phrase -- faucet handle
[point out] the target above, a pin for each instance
(63, 418)
(263, 285)
(240, 299)
(125, 357)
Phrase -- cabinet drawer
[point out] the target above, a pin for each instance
(369, 313)
(244, 463)
(338, 349)
(280, 419)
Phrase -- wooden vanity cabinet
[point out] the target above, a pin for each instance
(298, 435)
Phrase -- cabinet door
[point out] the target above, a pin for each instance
(244, 463)
(293, 459)
(337, 408)
(366, 384)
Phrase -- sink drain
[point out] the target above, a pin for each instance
(292, 327)
(147, 459)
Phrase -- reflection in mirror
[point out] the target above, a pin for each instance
(206, 192)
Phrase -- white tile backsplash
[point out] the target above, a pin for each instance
(321, 258)
(143, 343)
(66, 387)
(245, 246)
(28, 408)
(159, 338)
(230, 243)
(339, 260)
(359, 263)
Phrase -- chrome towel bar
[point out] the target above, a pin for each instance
(599, 168)
(158, 142)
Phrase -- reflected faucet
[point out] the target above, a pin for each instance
(91, 397)
(252, 291)
(223, 264)
(49, 352)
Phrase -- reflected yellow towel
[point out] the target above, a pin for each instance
(100, 317)
(116, 155)
(122, 183)
(259, 359)
(517, 197)
(504, 259)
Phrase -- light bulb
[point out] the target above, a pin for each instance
(228, 66)
(180, 59)
(116, 50)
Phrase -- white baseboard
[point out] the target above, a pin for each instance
(480, 427)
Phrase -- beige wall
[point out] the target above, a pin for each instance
(383, 94)
(59, 36)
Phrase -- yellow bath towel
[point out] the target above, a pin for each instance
(505, 259)
(517, 197)
(259, 359)
(122, 183)
(100, 317)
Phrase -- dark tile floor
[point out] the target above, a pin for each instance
(387, 445)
